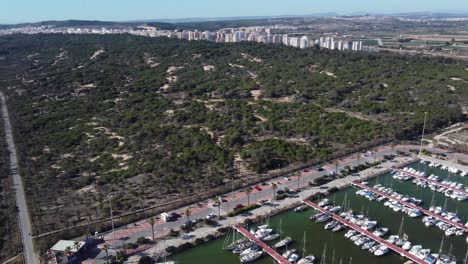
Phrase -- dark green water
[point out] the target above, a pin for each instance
(341, 248)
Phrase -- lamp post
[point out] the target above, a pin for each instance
(109, 197)
(422, 136)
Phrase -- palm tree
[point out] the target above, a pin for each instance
(76, 244)
(248, 191)
(151, 221)
(188, 212)
(105, 247)
(336, 163)
(217, 203)
(274, 187)
(359, 155)
(392, 146)
(67, 253)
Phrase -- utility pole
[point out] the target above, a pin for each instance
(109, 197)
(422, 136)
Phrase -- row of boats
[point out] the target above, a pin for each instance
(393, 203)
(452, 189)
(411, 212)
(250, 251)
(443, 167)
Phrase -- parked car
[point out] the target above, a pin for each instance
(238, 206)
(257, 188)
(279, 192)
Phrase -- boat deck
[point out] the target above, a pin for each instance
(265, 247)
(458, 225)
(431, 181)
(382, 241)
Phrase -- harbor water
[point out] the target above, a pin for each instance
(338, 249)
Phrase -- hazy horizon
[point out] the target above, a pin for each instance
(141, 10)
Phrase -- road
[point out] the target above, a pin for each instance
(24, 221)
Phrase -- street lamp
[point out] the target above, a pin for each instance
(422, 136)
(109, 197)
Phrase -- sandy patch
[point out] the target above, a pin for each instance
(331, 74)
(209, 68)
(124, 157)
(172, 79)
(451, 88)
(256, 94)
(456, 79)
(96, 54)
(172, 69)
(236, 65)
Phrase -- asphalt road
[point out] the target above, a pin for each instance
(30, 256)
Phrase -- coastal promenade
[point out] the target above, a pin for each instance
(377, 239)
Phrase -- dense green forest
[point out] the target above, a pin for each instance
(149, 119)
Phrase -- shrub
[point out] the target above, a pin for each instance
(243, 209)
(281, 196)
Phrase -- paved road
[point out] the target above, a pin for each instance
(30, 256)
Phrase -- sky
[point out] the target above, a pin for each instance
(17, 11)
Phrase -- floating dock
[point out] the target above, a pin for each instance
(280, 259)
(382, 241)
(431, 181)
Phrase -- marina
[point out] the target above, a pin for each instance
(334, 246)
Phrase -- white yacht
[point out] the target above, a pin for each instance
(307, 260)
(382, 250)
(251, 257)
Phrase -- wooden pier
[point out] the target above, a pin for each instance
(280, 259)
(377, 239)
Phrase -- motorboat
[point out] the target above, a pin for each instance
(331, 225)
(315, 216)
(300, 208)
(361, 241)
(324, 202)
(271, 237)
(289, 253)
(444, 259)
(235, 243)
(393, 239)
(368, 245)
(380, 232)
(373, 249)
(415, 249)
(356, 237)
(251, 249)
(323, 218)
(338, 228)
(382, 250)
(293, 258)
(283, 243)
(423, 253)
(251, 257)
(335, 209)
(241, 247)
(406, 246)
(350, 233)
(307, 260)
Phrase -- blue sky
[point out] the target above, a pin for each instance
(14, 11)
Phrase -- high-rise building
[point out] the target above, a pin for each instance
(285, 39)
(304, 42)
(294, 41)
